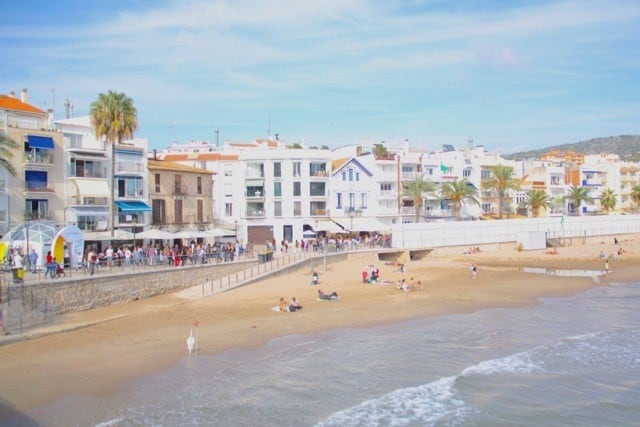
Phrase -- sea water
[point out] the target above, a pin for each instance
(565, 361)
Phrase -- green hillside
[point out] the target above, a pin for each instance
(626, 146)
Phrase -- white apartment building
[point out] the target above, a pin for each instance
(87, 170)
(265, 190)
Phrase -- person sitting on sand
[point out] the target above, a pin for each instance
(329, 297)
(295, 305)
(283, 304)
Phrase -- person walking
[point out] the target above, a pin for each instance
(33, 260)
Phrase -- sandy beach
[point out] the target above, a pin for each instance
(145, 337)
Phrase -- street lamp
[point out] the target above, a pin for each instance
(133, 226)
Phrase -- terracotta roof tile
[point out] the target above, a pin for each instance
(12, 103)
(173, 166)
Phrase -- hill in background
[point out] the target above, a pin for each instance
(625, 146)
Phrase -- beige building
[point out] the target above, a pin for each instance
(36, 192)
(181, 196)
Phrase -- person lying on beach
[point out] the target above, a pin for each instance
(333, 296)
(295, 305)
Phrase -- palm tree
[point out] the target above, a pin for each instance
(418, 190)
(7, 149)
(536, 200)
(502, 179)
(114, 118)
(608, 200)
(459, 191)
(635, 195)
(577, 195)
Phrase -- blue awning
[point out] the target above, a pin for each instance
(44, 142)
(135, 206)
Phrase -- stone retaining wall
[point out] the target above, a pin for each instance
(30, 304)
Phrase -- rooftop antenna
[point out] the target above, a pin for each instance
(217, 134)
(470, 143)
(53, 92)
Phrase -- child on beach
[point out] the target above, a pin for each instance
(474, 270)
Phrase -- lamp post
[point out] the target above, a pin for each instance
(133, 227)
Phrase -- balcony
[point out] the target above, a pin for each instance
(36, 215)
(44, 157)
(40, 187)
(130, 167)
(254, 193)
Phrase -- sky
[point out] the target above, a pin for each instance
(510, 75)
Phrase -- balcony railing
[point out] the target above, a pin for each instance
(34, 215)
(38, 157)
(130, 167)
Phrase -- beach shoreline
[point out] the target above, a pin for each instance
(145, 337)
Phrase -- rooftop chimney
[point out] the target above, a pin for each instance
(23, 96)
(12, 94)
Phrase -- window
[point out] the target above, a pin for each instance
(228, 209)
(177, 184)
(296, 169)
(297, 208)
(86, 169)
(316, 189)
(200, 211)
(430, 171)
(297, 188)
(485, 174)
(277, 170)
(385, 187)
(317, 208)
(350, 174)
(228, 189)
(357, 176)
(157, 182)
(130, 187)
(159, 215)
(466, 173)
(317, 169)
(36, 209)
(277, 209)
(177, 211)
(199, 185)
(352, 201)
(344, 175)
(277, 189)
(338, 200)
(35, 180)
(363, 204)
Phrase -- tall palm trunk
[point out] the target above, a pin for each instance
(112, 206)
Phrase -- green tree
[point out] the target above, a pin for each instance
(417, 190)
(7, 149)
(635, 195)
(576, 196)
(115, 119)
(536, 200)
(502, 179)
(608, 200)
(458, 192)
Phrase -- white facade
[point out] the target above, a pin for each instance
(87, 174)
